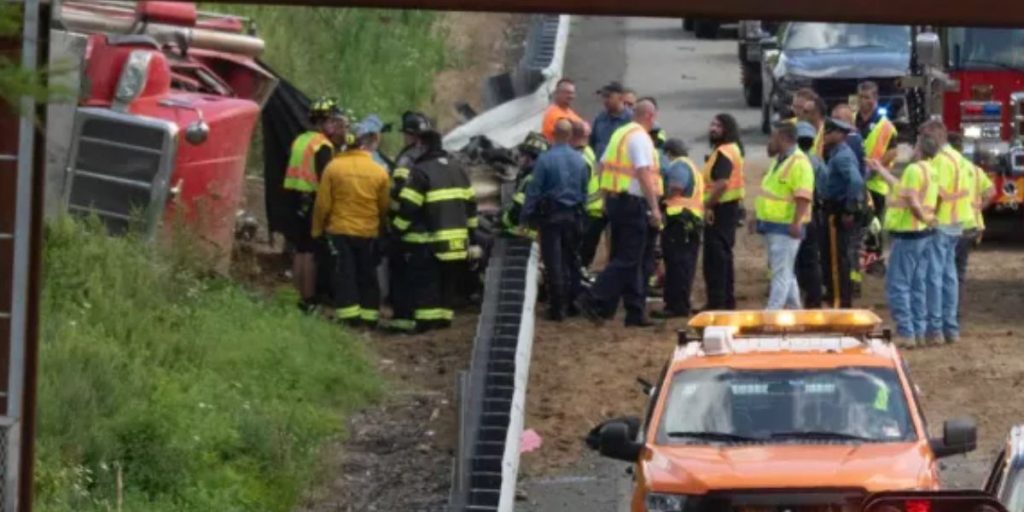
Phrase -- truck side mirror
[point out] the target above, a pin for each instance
(616, 439)
(929, 49)
(959, 436)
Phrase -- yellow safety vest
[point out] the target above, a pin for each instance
(617, 170)
(783, 183)
(875, 147)
(301, 173)
(918, 180)
(819, 143)
(694, 203)
(734, 189)
(954, 181)
(595, 201)
(982, 184)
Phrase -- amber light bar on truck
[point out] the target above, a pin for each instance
(849, 321)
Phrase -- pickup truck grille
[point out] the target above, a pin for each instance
(119, 168)
(780, 500)
(839, 90)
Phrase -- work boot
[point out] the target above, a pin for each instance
(588, 310)
(906, 343)
(932, 339)
(555, 316)
(641, 323)
(666, 315)
(952, 338)
(307, 306)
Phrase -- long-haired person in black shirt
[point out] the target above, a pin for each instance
(723, 174)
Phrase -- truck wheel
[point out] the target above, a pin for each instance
(704, 29)
(688, 24)
(751, 76)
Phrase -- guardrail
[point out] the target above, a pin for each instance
(508, 123)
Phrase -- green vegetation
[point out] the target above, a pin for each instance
(190, 392)
(372, 60)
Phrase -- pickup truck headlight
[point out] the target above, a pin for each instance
(665, 502)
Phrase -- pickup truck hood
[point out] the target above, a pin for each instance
(872, 467)
(854, 63)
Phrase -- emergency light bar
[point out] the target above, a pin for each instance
(849, 321)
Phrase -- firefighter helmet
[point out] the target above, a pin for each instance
(534, 145)
(416, 123)
(323, 108)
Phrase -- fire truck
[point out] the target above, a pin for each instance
(973, 78)
(159, 132)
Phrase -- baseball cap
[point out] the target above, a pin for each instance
(835, 125)
(612, 88)
(805, 130)
(369, 126)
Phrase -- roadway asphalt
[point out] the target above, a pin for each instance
(692, 81)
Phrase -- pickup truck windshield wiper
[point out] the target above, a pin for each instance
(715, 436)
(814, 434)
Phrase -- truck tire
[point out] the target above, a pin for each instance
(705, 29)
(688, 24)
(751, 78)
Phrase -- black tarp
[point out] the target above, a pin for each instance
(284, 118)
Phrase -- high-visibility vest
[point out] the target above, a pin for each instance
(301, 174)
(617, 170)
(875, 146)
(734, 189)
(982, 184)
(954, 182)
(819, 143)
(595, 201)
(918, 181)
(694, 203)
(777, 201)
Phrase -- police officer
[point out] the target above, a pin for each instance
(414, 125)
(680, 240)
(844, 200)
(631, 181)
(530, 150)
(554, 202)
(809, 273)
(435, 220)
(723, 210)
(310, 154)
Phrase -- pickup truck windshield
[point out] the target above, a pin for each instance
(850, 404)
(986, 48)
(843, 36)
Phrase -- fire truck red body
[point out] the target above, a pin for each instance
(192, 84)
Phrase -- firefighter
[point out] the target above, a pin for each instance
(809, 273)
(311, 152)
(843, 206)
(351, 201)
(723, 211)
(554, 202)
(529, 151)
(414, 125)
(631, 182)
(910, 221)
(680, 240)
(436, 221)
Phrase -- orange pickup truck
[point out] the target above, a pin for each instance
(789, 410)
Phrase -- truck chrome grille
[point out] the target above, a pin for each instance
(119, 169)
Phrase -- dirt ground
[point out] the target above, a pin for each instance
(581, 375)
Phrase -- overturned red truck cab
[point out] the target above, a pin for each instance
(161, 131)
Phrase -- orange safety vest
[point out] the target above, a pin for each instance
(301, 173)
(734, 189)
(677, 204)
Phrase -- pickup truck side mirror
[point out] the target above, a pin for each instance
(616, 439)
(959, 436)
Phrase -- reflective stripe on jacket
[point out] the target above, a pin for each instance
(438, 207)
(785, 182)
(875, 147)
(617, 170)
(675, 205)
(301, 173)
(917, 181)
(735, 189)
(955, 181)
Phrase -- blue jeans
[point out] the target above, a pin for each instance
(943, 286)
(905, 284)
(782, 250)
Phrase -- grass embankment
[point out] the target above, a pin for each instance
(192, 393)
(372, 60)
